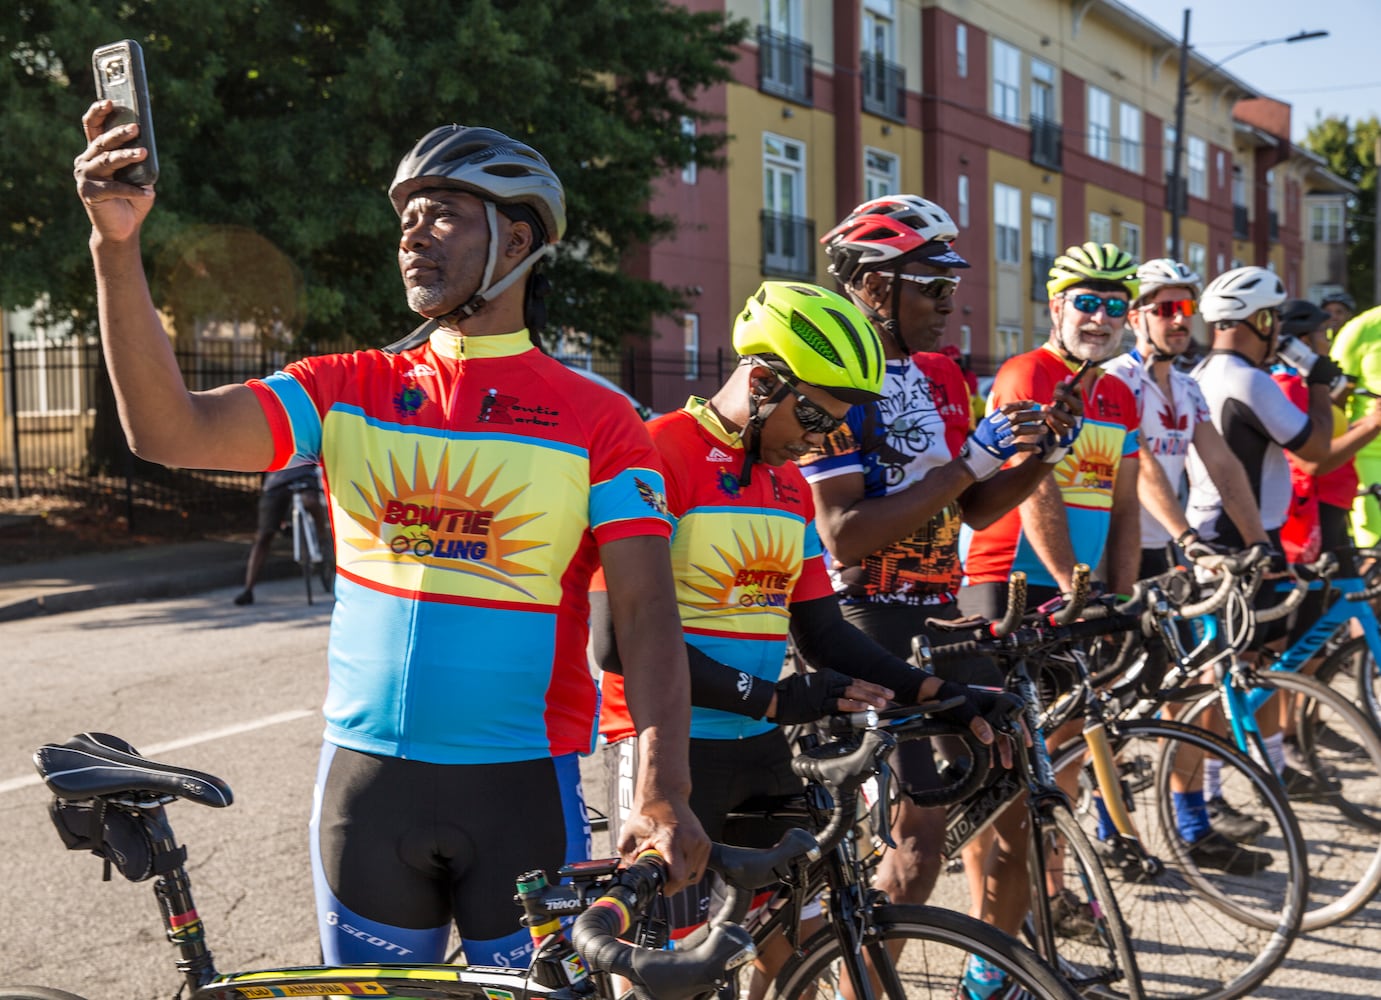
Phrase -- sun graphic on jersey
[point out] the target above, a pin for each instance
(755, 575)
(440, 521)
(1086, 475)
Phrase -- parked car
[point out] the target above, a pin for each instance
(643, 410)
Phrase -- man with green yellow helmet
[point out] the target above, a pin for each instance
(749, 565)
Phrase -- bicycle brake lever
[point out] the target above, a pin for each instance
(880, 813)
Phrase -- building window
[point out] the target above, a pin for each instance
(1129, 137)
(879, 28)
(690, 341)
(1042, 243)
(965, 339)
(961, 50)
(1099, 124)
(880, 173)
(1010, 341)
(1197, 156)
(1099, 227)
(962, 200)
(1326, 222)
(1006, 81)
(1043, 91)
(783, 175)
(782, 16)
(1221, 268)
(788, 235)
(1221, 161)
(1169, 149)
(688, 174)
(1130, 239)
(1007, 224)
(1198, 259)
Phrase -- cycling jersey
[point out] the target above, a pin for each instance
(919, 425)
(1257, 423)
(1357, 349)
(471, 482)
(1086, 476)
(741, 554)
(1167, 426)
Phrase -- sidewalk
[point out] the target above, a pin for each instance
(153, 571)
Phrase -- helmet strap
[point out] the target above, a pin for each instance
(752, 431)
(486, 290)
(887, 325)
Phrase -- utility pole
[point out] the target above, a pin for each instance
(1176, 184)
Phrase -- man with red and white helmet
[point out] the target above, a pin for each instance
(1174, 417)
(893, 485)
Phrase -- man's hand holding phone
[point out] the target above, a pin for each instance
(116, 209)
(1064, 415)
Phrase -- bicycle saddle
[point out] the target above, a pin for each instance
(91, 765)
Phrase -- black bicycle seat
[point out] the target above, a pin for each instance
(92, 765)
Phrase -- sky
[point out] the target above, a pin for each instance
(1338, 75)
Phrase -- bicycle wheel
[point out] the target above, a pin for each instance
(1097, 958)
(35, 993)
(1333, 744)
(935, 947)
(1199, 931)
(1344, 855)
(1350, 669)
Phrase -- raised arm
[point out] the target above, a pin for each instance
(1346, 445)
(223, 428)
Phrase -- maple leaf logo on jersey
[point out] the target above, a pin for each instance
(1170, 423)
(652, 497)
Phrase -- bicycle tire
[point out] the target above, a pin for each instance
(1344, 856)
(1351, 670)
(1104, 964)
(36, 993)
(1185, 949)
(936, 944)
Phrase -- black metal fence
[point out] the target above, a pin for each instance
(62, 436)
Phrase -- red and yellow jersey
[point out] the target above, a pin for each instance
(1086, 476)
(471, 483)
(741, 554)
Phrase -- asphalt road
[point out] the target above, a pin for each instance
(236, 691)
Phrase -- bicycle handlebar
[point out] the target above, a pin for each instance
(1078, 596)
(1016, 606)
(667, 975)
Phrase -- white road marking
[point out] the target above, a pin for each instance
(153, 752)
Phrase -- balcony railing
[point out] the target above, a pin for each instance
(884, 87)
(784, 66)
(1045, 143)
(788, 246)
(1040, 274)
(1241, 225)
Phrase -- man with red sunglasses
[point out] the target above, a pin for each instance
(1174, 418)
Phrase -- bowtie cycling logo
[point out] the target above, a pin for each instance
(755, 575)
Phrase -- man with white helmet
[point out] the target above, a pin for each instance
(1256, 420)
(466, 532)
(1174, 417)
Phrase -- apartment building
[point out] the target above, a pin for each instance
(1036, 123)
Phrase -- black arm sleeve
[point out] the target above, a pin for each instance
(713, 684)
(825, 639)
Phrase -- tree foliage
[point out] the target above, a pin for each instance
(1350, 149)
(279, 126)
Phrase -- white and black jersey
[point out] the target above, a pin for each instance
(1259, 423)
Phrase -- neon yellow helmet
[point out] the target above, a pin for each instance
(819, 335)
(1098, 262)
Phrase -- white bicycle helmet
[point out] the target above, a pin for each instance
(886, 229)
(1166, 273)
(1240, 294)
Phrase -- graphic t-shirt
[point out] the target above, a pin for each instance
(920, 424)
(1086, 476)
(471, 483)
(1167, 426)
(1357, 349)
(741, 554)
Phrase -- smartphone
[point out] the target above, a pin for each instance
(1077, 380)
(119, 71)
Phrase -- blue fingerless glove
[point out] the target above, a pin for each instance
(1060, 448)
(992, 442)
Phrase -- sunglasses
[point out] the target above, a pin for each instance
(1087, 302)
(932, 286)
(812, 418)
(1168, 310)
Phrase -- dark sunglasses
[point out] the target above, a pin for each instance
(1168, 310)
(809, 415)
(1087, 302)
(932, 286)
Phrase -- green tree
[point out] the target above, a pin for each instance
(1350, 149)
(279, 126)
